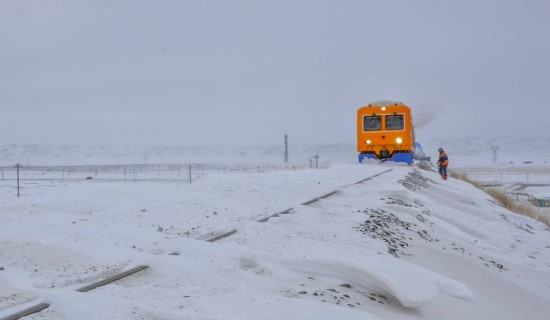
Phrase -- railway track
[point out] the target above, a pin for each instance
(326, 195)
(41, 306)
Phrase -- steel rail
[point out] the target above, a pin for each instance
(28, 311)
(276, 215)
(111, 279)
(221, 236)
(373, 176)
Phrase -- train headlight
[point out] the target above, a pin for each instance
(383, 108)
(369, 142)
(399, 140)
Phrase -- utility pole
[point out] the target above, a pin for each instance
(286, 148)
(17, 166)
(310, 163)
(495, 149)
(316, 161)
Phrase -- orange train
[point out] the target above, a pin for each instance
(385, 131)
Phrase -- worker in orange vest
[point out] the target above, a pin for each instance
(443, 162)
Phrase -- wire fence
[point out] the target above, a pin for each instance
(25, 177)
(143, 172)
(525, 186)
(506, 177)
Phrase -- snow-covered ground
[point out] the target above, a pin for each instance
(403, 245)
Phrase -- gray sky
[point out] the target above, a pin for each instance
(245, 72)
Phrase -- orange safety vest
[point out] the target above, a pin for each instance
(443, 159)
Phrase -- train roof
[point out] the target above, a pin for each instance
(385, 103)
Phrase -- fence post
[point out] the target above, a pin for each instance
(190, 179)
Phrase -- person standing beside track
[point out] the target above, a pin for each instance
(443, 162)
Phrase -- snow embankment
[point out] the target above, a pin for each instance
(441, 249)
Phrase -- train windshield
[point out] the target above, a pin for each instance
(395, 122)
(371, 123)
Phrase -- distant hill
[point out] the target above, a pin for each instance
(464, 152)
(98, 154)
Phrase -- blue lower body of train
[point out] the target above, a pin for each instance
(397, 157)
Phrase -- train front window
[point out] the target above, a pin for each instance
(395, 122)
(371, 123)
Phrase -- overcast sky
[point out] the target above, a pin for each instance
(245, 72)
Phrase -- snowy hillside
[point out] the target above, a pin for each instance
(401, 245)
